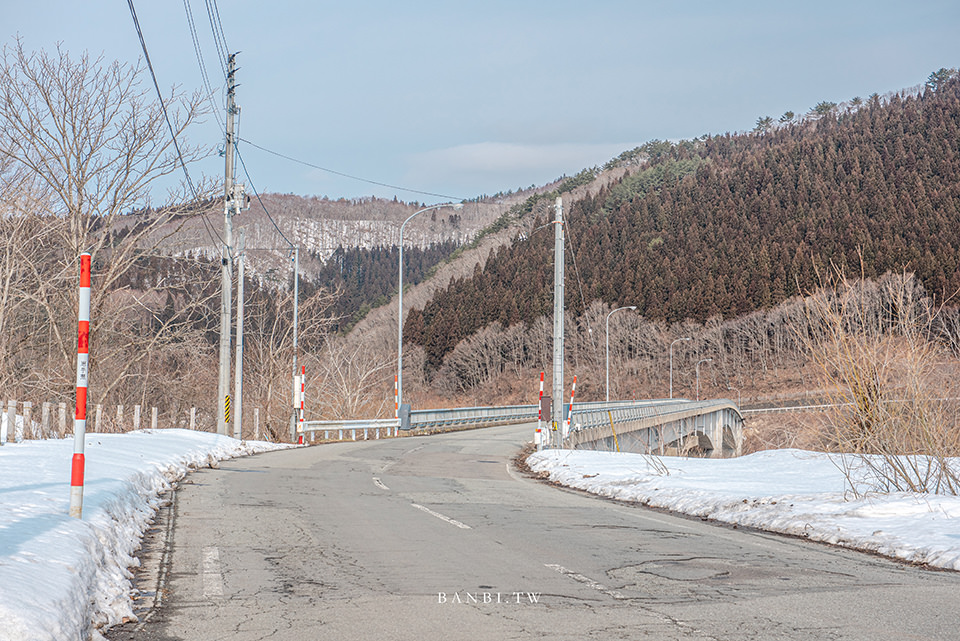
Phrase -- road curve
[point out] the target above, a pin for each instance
(437, 537)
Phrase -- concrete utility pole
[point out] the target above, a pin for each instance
(295, 388)
(238, 364)
(226, 262)
(557, 322)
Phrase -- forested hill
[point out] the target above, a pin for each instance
(724, 225)
(364, 278)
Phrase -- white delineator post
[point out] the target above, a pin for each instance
(303, 378)
(573, 390)
(80, 420)
(538, 441)
(396, 404)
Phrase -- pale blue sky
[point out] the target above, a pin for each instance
(466, 98)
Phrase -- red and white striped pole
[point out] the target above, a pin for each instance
(573, 391)
(539, 439)
(80, 419)
(303, 378)
(396, 403)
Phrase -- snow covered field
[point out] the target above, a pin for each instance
(789, 491)
(60, 577)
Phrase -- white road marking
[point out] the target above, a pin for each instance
(460, 525)
(212, 578)
(599, 587)
(380, 484)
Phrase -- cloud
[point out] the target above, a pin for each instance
(494, 166)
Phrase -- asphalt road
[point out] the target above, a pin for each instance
(438, 537)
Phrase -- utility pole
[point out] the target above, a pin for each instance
(557, 322)
(226, 261)
(295, 388)
(238, 364)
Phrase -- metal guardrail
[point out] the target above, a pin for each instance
(470, 416)
(585, 418)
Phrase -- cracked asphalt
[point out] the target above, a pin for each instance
(438, 537)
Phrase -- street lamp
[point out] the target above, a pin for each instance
(608, 345)
(685, 338)
(737, 390)
(704, 360)
(400, 303)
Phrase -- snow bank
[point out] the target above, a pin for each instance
(61, 578)
(788, 491)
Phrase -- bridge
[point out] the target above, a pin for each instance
(711, 429)
(666, 426)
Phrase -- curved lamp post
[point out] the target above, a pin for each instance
(400, 303)
(685, 338)
(608, 345)
(704, 360)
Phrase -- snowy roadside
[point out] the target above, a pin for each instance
(788, 491)
(62, 578)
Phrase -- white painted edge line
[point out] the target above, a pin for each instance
(462, 526)
(599, 587)
(379, 483)
(212, 578)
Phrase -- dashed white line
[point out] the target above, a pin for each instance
(587, 581)
(442, 517)
(212, 578)
(380, 484)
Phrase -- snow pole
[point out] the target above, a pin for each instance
(80, 420)
(303, 378)
(539, 439)
(573, 390)
(396, 404)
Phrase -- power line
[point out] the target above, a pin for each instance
(339, 173)
(255, 193)
(166, 117)
(583, 299)
(203, 68)
(213, 15)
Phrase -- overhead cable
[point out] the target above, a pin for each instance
(166, 117)
(339, 173)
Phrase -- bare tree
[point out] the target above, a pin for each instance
(268, 350)
(85, 142)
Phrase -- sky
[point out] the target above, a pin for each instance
(461, 99)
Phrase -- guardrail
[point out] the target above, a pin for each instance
(453, 418)
(586, 417)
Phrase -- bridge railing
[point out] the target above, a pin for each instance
(586, 417)
(453, 418)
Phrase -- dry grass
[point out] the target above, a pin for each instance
(888, 376)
